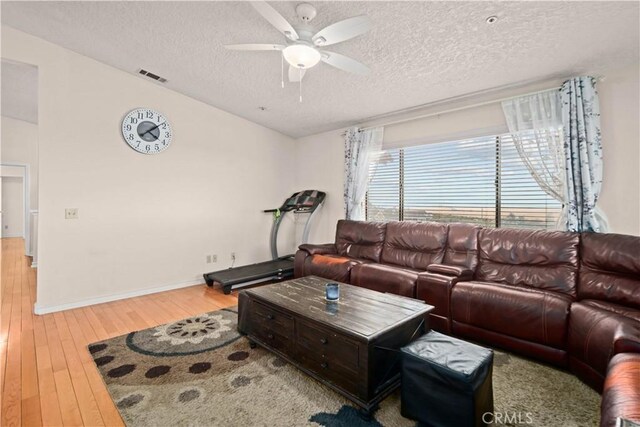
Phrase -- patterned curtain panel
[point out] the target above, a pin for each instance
(361, 149)
(583, 154)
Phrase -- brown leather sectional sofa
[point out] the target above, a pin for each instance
(569, 299)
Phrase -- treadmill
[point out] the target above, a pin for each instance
(280, 267)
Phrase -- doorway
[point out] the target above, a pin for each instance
(19, 165)
(13, 208)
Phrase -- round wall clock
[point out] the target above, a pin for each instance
(146, 131)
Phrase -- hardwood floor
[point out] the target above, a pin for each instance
(47, 375)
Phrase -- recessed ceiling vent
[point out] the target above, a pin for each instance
(152, 76)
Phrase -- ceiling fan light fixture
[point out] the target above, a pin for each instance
(301, 56)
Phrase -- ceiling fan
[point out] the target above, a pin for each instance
(304, 48)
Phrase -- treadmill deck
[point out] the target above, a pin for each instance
(263, 270)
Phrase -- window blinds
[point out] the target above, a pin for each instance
(478, 180)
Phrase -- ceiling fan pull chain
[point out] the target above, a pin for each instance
(300, 71)
(282, 70)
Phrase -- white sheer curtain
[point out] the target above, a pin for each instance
(535, 124)
(361, 149)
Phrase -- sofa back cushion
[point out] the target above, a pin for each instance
(360, 239)
(610, 268)
(462, 245)
(540, 259)
(414, 244)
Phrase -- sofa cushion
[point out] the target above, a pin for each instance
(333, 267)
(462, 245)
(360, 240)
(547, 260)
(610, 268)
(520, 312)
(593, 329)
(385, 278)
(414, 244)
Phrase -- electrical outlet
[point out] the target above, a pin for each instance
(214, 258)
(71, 213)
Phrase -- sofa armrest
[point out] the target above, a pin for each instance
(461, 272)
(298, 264)
(626, 338)
(435, 290)
(325, 249)
(621, 394)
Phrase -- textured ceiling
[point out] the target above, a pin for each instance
(419, 52)
(20, 91)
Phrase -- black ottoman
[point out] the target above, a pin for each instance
(446, 381)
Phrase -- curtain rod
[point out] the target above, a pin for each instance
(453, 110)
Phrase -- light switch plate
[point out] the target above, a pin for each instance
(71, 213)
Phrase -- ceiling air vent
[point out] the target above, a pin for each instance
(152, 76)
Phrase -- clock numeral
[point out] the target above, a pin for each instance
(134, 120)
(164, 126)
(140, 115)
(148, 147)
(167, 134)
(149, 115)
(131, 137)
(128, 127)
(157, 147)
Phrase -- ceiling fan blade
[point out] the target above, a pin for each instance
(254, 46)
(296, 74)
(343, 30)
(275, 19)
(344, 63)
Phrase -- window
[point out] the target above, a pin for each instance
(480, 180)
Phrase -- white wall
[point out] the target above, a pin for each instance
(12, 207)
(320, 157)
(20, 145)
(320, 166)
(620, 120)
(145, 222)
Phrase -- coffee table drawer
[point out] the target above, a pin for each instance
(272, 338)
(267, 318)
(332, 372)
(323, 345)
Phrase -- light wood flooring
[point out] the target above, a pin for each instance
(46, 372)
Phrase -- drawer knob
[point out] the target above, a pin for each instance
(270, 336)
(323, 340)
(270, 316)
(324, 365)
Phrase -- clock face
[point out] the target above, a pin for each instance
(146, 131)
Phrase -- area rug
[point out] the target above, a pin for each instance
(201, 372)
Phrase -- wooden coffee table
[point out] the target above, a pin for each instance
(350, 345)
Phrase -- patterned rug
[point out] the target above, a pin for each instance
(201, 372)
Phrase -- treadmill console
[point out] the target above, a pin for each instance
(304, 201)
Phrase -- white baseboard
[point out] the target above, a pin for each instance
(37, 309)
(12, 236)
